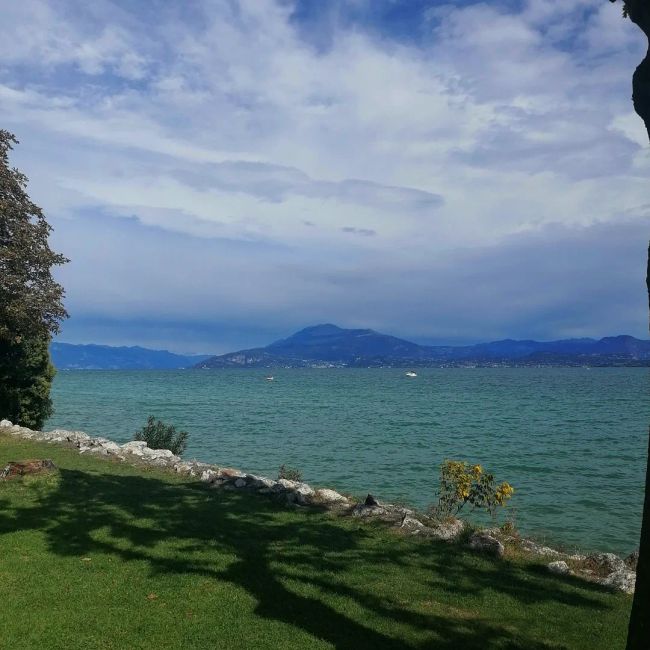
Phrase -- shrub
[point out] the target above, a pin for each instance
(159, 435)
(289, 473)
(461, 483)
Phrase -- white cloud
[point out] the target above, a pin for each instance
(224, 123)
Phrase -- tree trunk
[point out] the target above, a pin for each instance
(638, 637)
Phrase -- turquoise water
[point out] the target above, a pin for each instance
(571, 440)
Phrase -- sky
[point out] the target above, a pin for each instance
(221, 173)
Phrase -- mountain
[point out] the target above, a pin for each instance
(328, 345)
(66, 356)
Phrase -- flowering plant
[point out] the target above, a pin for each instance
(462, 483)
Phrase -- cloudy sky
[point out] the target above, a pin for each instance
(221, 173)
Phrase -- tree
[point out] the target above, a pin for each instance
(638, 638)
(638, 11)
(31, 306)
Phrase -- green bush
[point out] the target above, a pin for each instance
(159, 435)
(289, 473)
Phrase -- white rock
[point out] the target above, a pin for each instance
(304, 493)
(533, 547)
(362, 510)
(134, 447)
(607, 562)
(445, 530)
(286, 483)
(325, 495)
(111, 447)
(5, 423)
(412, 525)
(621, 580)
(209, 475)
(481, 541)
(100, 451)
(560, 567)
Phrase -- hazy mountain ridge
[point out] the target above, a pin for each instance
(329, 345)
(69, 356)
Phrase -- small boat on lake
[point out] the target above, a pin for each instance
(269, 378)
(410, 373)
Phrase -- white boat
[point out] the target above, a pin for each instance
(410, 373)
(269, 378)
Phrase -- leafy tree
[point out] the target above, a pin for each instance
(26, 375)
(159, 435)
(638, 11)
(638, 638)
(31, 305)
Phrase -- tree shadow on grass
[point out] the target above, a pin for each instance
(177, 528)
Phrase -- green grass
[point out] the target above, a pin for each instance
(101, 554)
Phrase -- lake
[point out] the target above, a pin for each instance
(572, 441)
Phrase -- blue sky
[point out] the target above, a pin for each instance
(222, 173)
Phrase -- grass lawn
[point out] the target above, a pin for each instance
(105, 555)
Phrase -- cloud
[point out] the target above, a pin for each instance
(364, 232)
(261, 135)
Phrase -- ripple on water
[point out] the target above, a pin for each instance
(573, 443)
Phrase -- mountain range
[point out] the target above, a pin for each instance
(331, 346)
(67, 356)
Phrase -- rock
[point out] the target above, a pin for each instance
(621, 580)
(5, 423)
(370, 501)
(445, 530)
(604, 563)
(286, 484)
(533, 547)
(111, 447)
(485, 543)
(326, 496)
(184, 468)
(100, 451)
(209, 476)
(229, 472)
(304, 493)
(262, 483)
(240, 483)
(560, 567)
(362, 510)
(135, 447)
(411, 525)
(632, 560)
(24, 467)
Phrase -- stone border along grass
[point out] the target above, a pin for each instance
(604, 568)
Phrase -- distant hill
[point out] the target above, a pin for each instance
(67, 356)
(329, 345)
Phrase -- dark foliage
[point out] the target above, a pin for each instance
(25, 378)
(31, 305)
(159, 435)
(289, 473)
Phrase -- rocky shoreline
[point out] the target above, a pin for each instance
(606, 569)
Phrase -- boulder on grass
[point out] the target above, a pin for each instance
(622, 580)
(481, 541)
(604, 563)
(559, 567)
(445, 531)
(24, 467)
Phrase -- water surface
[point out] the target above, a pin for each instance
(571, 440)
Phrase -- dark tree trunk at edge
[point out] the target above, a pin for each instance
(638, 637)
